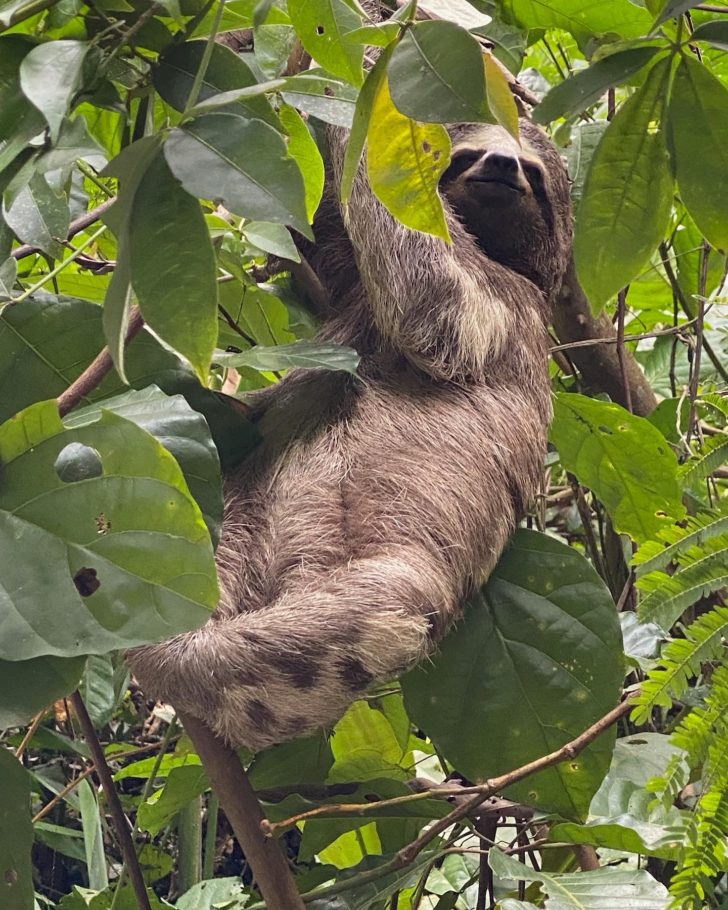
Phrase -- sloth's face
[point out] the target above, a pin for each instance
(513, 198)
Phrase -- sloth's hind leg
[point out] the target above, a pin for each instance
(295, 665)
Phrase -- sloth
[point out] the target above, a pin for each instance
(375, 504)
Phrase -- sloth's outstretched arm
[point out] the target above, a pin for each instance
(447, 307)
(262, 677)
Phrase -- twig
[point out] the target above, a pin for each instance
(621, 309)
(483, 791)
(588, 342)
(710, 8)
(30, 733)
(695, 374)
(80, 224)
(408, 854)
(121, 825)
(97, 369)
(270, 869)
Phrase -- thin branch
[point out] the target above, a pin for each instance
(589, 342)
(121, 825)
(710, 8)
(621, 310)
(80, 224)
(95, 372)
(30, 733)
(482, 791)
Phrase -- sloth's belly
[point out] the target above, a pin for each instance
(385, 466)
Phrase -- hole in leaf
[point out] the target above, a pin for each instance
(328, 91)
(86, 581)
(426, 147)
(607, 430)
(77, 461)
(103, 525)
(320, 29)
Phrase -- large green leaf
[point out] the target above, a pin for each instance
(436, 74)
(17, 114)
(587, 86)
(175, 72)
(27, 686)
(182, 784)
(609, 888)
(182, 431)
(624, 459)
(583, 17)
(178, 300)
(50, 75)
(699, 131)
(539, 654)
(244, 162)
(322, 26)
(627, 198)
(16, 834)
(405, 161)
(126, 556)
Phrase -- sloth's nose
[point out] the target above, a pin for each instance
(500, 167)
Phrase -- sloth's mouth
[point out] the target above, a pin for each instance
(499, 181)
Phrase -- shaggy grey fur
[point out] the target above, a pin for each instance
(374, 505)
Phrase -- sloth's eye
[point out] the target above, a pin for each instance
(461, 161)
(534, 175)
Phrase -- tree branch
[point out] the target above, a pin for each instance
(270, 870)
(94, 373)
(121, 826)
(599, 365)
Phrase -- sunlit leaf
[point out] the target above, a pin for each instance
(699, 130)
(322, 26)
(306, 354)
(583, 17)
(500, 97)
(302, 146)
(627, 197)
(624, 459)
(405, 161)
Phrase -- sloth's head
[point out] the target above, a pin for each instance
(513, 198)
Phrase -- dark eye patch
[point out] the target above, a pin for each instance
(461, 161)
(535, 175)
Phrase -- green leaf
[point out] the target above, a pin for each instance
(436, 74)
(609, 888)
(627, 198)
(16, 834)
(50, 75)
(405, 161)
(302, 147)
(74, 142)
(360, 124)
(501, 102)
(93, 837)
(673, 9)
(322, 96)
(715, 33)
(624, 459)
(583, 17)
(585, 139)
(213, 894)
(17, 115)
(244, 162)
(182, 785)
(699, 131)
(322, 26)
(97, 688)
(39, 217)
(622, 814)
(178, 301)
(126, 556)
(182, 431)
(539, 653)
(587, 86)
(272, 238)
(174, 74)
(27, 686)
(306, 354)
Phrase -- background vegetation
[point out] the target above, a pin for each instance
(150, 178)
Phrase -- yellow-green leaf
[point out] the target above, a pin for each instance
(405, 160)
(500, 97)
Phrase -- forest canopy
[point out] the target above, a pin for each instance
(157, 161)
